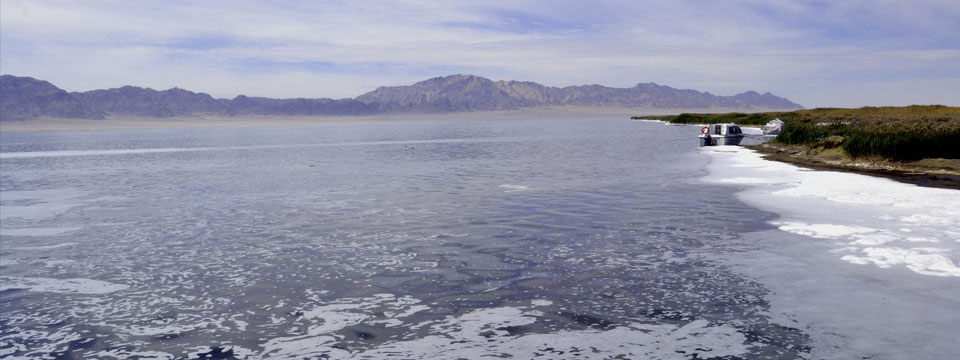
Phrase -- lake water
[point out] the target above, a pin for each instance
(591, 238)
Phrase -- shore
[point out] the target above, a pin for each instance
(938, 173)
(865, 266)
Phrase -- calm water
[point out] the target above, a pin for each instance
(553, 238)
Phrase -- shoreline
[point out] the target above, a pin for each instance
(934, 173)
(922, 173)
(865, 266)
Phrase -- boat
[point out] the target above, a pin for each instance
(720, 134)
(773, 127)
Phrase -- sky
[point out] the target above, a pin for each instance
(816, 53)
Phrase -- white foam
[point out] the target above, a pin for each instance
(125, 353)
(482, 333)
(822, 231)
(110, 152)
(43, 154)
(43, 195)
(65, 286)
(47, 231)
(319, 337)
(152, 330)
(44, 247)
(45, 342)
(927, 261)
(47, 203)
(34, 212)
(513, 188)
(877, 221)
(541, 302)
(57, 262)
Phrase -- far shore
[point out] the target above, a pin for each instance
(219, 121)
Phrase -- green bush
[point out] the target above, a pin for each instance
(904, 146)
(894, 146)
(798, 133)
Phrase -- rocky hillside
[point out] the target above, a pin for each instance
(471, 93)
(24, 98)
(444, 94)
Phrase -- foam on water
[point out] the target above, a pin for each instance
(873, 220)
(111, 152)
(37, 204)
(404, 248)
(65, 286)
(48, 231)
(489, 332)
(43, 247)
(513, 188)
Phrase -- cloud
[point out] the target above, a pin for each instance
(798, 49)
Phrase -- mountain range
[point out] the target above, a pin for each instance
(23, 98)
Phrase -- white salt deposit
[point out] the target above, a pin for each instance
(874, 221)
(866, 266)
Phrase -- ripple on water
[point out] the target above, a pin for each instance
(388, 249)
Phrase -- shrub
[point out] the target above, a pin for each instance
(904, 146)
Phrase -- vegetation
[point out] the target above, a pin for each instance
(895, 133)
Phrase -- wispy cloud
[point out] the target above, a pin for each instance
(819, 53)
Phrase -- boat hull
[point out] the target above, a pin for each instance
(716, 140)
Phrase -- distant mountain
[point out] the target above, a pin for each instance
(444, 94)
(131, 100)
(26, 98)
(471, 93)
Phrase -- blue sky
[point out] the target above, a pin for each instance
(816, 53)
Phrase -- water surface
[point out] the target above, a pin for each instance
(587, 238)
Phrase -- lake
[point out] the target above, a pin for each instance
(553, 238)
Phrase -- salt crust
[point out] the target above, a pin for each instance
(875, 221)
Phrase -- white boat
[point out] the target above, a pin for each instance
(773, 127)
(720, 134)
